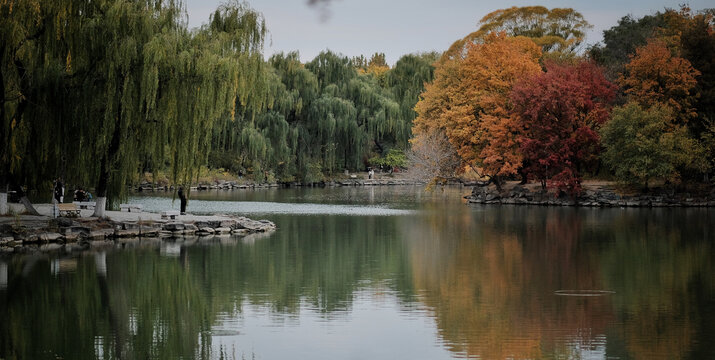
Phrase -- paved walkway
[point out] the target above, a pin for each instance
(45, 211)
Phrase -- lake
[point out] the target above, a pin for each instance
(377, 273)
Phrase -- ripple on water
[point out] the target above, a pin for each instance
(583, 293)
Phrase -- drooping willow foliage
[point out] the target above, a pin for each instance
(322, 117)
(98, 92)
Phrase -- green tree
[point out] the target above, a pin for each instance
(645, 144)
(622, 40)
(35, 65)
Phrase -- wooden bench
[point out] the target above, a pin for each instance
(87, 205)
(171, 214)
(131, 207)
(68, 210)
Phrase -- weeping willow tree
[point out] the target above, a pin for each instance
(314, 119)
(406, 81)
(162, 88)
(35, 74)
(96, 90)
(259, 138)
(376, 117)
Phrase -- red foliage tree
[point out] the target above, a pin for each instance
(561, 111)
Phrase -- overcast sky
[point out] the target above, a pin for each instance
(399, 27)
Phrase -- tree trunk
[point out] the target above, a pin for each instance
(25, 201)
(497, 182)
(100, 206)
(102, 184)
(107, 160)
(28, 206)
(3, 203)
(524, 176)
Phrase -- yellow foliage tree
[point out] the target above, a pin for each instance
(558, 31)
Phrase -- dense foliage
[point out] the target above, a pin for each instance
(560, 111)
(99, 92)
(538, 117)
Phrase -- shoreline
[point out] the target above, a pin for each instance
(598, 195)
(233, 185)
(28, 234)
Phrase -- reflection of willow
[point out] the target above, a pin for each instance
(490, 278)
(662, 266)
(154, 308)
(318, 259)
(137, 304)
(142, 307)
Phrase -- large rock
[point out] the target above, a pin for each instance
(148, 231)
(100, 234)
(207, 229)
(129, 225)
(222, 230)
(175, 226)
(127, 233)
(227, 224)
(72, 237)
(50, 236)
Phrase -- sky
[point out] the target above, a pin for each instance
(399, 27)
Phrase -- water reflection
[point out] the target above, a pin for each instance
(492, 287)
(3, 275)
(445, 281)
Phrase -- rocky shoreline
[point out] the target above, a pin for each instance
(600, 196)
(40, 233)
(232, 185)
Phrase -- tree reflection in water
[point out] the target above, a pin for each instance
(491, 279)
(489, 276)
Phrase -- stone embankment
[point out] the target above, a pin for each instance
(593, 197)
(43, 234)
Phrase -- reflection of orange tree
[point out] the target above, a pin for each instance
(491, 286)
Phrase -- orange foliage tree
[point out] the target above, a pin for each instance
(655, 75)
(469, 101)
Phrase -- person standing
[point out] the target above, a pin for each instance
(182, 198)
(59, 191)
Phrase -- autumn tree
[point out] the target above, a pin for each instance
(672, 62)
(376, 66)
(559, 31)
(432, 158)
(643, 144)
(654, 75)
(561, 111)
(469, 102)
(697, 45)
(622, 40)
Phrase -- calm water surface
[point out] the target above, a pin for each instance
(377, 273)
